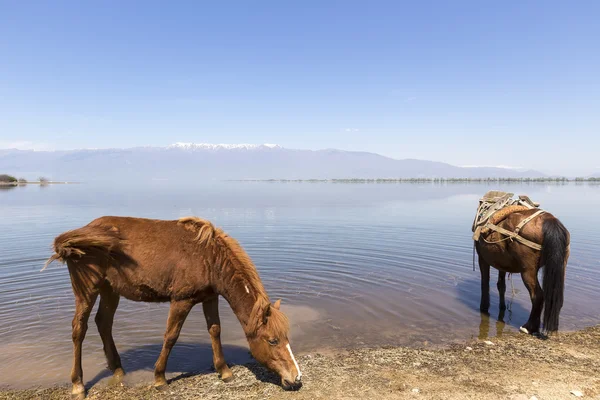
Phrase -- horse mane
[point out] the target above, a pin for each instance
(206, 230)
(208, 234)
(230, 251)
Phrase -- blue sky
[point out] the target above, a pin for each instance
(405, 79)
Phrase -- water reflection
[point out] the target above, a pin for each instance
(500, 324)
(262, 196)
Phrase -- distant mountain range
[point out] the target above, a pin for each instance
(199, 161)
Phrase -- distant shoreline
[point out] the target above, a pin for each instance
(36, 183)
(364, 180)
(427, 180)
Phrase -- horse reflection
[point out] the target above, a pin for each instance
(484, 324)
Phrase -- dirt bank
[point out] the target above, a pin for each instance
(514, 366)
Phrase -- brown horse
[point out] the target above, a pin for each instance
(499, 251)
(185, 262)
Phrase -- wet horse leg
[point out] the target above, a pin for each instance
(177, 314)
(109, 301)
(502, 288)
(213, 323)
(485, 286)
(530, 280)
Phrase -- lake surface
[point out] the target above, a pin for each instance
(355, 264)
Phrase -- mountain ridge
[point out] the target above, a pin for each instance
(233, 161)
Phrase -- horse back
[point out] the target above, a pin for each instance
(161, 261)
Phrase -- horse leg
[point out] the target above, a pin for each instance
(84, 302)
(177, 314)
(502, 288)
(485, 286)
(530, 280)
(213, 323)
(86, 278)
(109, 301)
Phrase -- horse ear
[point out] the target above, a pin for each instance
(277, 304)
(266, 314)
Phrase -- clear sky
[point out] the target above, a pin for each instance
(465, 82)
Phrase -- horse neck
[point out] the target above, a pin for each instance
(239, 285)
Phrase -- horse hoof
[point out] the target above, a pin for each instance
(524, 330)
(78, 392)
(119, 373)
(227, 379)
(162, 387)
(117, 378)
(160, 384)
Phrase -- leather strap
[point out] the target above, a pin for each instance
(526, 220)
(513, 235)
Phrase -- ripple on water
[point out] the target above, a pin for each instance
(367, 271)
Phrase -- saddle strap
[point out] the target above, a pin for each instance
(526, 220)
(514, 235)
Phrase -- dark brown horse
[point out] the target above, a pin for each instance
(184, 262)
(501, 252)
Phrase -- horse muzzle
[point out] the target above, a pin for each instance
(292, 386)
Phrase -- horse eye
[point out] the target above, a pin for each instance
(274, 342)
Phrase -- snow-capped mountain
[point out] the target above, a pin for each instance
(201, 161)
(208, 146)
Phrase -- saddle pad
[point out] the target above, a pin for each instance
(501, 215)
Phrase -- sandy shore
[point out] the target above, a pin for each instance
(514, 366)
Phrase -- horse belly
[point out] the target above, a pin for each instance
(128, 283)
(137, 286)
(510, 268)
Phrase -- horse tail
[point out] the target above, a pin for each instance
(555, 252)
(89, 240)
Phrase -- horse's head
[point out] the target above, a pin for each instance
(269, 344)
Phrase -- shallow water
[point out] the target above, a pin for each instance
(355, 265)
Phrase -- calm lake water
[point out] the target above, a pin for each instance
(355, 264)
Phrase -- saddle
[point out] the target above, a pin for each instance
(494, 207)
